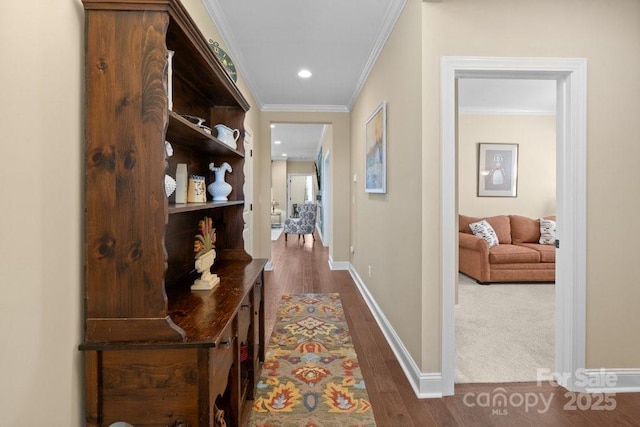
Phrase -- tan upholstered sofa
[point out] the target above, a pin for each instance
(519, 257)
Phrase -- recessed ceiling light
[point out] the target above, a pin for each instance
(284, 154)
(272, 125)
(277, 142)
(304, 74)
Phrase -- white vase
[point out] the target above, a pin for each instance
(207, 280)
(169, 185)
(181, 183)
(219, 189)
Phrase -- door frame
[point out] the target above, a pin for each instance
(289, 176)
(571, 193)
(326, 199)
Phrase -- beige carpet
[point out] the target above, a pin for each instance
(504, 332)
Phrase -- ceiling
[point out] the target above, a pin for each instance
(338, 41)
(297, 142)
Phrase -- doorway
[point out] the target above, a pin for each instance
(505, 331)
(296, 158)
(570, 78)
(300, 190)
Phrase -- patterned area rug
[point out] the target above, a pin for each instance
(311, 376)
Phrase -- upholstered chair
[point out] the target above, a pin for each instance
(305, 223)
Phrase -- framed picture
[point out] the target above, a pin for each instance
(497, 170)
(375, 172)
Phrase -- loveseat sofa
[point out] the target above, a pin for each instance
(518, 257)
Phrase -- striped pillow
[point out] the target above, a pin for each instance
(547, 232)
(483, 229)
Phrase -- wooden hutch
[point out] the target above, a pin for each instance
(157, 353)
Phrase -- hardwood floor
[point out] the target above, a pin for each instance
(304, 267)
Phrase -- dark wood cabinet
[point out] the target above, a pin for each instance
(157, 353)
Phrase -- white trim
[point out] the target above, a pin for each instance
(390, 19)
(612, 381)
(268, 266)
(571, 205)
(327, 197)
(425, 385)
(505, 112)
(297, 108)
(231, 46)
(448, 206)
(338, 265)
(320, 234)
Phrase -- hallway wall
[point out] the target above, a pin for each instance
(41, 220)
(607, 35)
(386, 228)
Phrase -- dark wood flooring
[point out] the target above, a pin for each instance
(304, 267)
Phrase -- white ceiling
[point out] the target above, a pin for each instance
(297, 141)
(338, 41)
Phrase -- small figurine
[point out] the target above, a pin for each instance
(203, 246)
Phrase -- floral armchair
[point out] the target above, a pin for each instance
(305, 223)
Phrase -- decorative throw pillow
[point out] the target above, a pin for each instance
(547, 232)
(483, 229)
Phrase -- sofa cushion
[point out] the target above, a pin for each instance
(547, 252)
(484, 230)
(524, 230)
(464, 221)
(500, 224)
(547, 232)
(511, 254)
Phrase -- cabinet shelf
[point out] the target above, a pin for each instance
(184, 133)
(190, 207)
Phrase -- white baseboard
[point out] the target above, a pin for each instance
(325, 244)
(425, 385)
(338, 265)
(430, 385)
(268, 266)
(611, 380)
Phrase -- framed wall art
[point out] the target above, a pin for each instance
(497, 170)
(376, 151)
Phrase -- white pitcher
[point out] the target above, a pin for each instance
(227, 135)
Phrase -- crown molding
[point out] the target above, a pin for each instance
(231, 46)
(391, 17)
(304, 108)
(506, 112)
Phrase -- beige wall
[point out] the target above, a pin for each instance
(536, 139)
(607, 35)
(301, 167)
(41, 217)
(279, 185)
(386, 228)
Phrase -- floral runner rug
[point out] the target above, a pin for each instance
(311, 376)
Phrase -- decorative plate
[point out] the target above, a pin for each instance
(224, 58)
